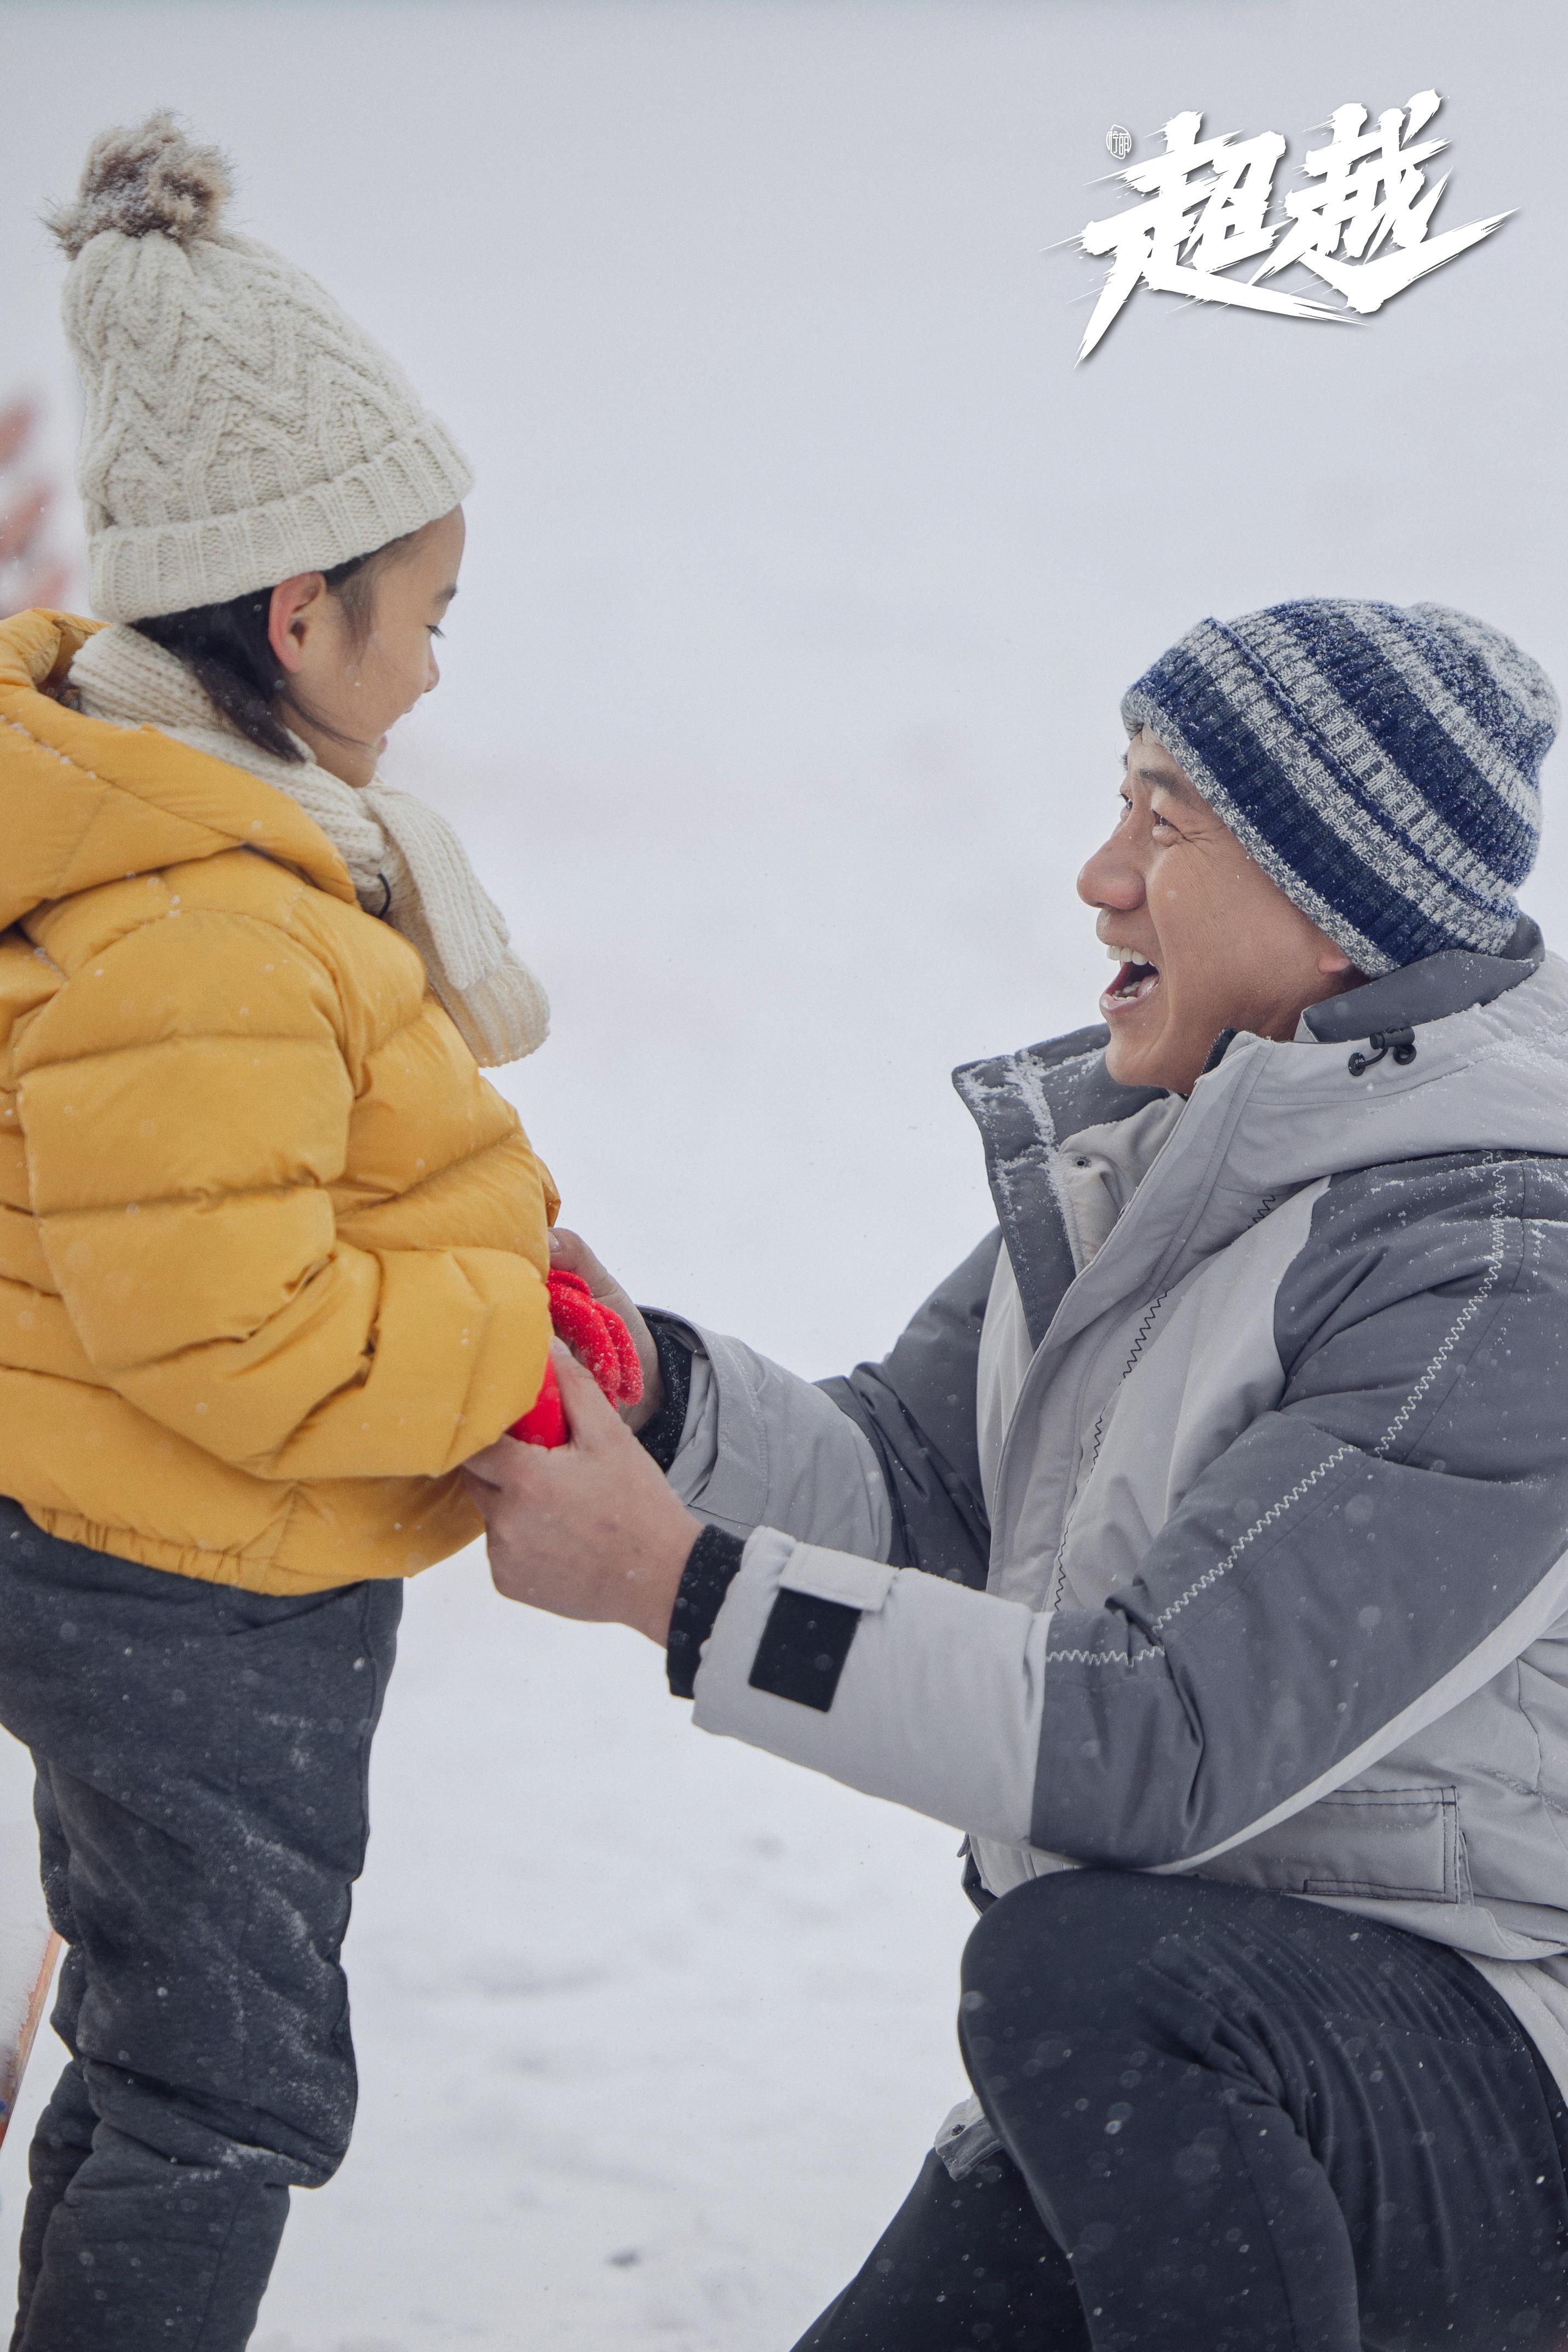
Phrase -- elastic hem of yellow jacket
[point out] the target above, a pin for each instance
(254, 1575)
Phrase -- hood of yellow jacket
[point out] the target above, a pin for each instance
(83, 802)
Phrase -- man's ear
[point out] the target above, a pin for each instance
(296, 606)
(1335, 967)
(1331, 959)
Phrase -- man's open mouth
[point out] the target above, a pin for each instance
(1136, 978)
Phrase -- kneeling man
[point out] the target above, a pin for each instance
(1201, 1549)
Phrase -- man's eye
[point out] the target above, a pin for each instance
(436, 630)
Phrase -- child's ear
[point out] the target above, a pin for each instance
(295, 608)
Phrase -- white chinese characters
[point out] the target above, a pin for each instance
(1361, 226)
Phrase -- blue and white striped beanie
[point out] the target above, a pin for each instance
(1380, 761)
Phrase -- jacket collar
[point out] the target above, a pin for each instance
(83, 802)
(1429, 991)
(1267, 1118)
(1025, 1105)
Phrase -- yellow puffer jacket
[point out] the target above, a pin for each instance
(271, 1250)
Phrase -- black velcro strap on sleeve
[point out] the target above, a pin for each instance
(710, 1572)
(804, 1647)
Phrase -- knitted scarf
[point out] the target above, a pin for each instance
(405, 861)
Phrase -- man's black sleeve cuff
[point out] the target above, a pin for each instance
(710, 1572)
(662, 1435)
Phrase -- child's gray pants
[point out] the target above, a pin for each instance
(201, 1756)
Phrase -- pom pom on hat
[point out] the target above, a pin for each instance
(152, 181)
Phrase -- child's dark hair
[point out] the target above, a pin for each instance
(227, 651)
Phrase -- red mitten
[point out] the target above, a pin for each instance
(598, 1334)
(599, 1338)
(579, 1320)
(544, 1423)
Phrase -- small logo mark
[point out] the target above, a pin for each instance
(1119, 142)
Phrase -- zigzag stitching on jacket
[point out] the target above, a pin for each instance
(1103, 1657)
(1030, 1082)
(1276, 1510)
(1141, 1337)
(1140, 1341)
(1466, 1314)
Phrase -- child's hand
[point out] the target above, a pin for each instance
(569, 1253)
(589, 1529)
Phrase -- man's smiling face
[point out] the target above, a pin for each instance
(1204, 940)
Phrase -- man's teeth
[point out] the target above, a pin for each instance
(1135, 975)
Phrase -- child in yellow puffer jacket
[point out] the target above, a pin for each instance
(272, 1252)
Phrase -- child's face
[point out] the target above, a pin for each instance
(348, 687)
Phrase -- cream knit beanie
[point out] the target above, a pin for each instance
(240, 428)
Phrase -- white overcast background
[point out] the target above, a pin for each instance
(805, 575)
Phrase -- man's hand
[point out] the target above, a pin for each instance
(589, 1529)
(571, 1254)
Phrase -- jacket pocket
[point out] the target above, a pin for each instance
(1390, 1845)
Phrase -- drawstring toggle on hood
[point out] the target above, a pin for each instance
(1400, 1042)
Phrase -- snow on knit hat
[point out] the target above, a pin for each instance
(240, 428)
(1381, 762)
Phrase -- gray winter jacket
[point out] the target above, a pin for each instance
(1252, 1424)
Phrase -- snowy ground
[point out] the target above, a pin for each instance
(805, 575)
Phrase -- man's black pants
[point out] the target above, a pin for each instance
(1234, 2122)
(201, 1756)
